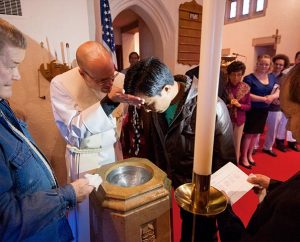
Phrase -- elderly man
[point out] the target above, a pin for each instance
(83, 100)
(32, 206)
(277, 217)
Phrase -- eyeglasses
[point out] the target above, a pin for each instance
(101, 81)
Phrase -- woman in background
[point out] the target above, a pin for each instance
(238, 101)
(280, 62)
(261, 84)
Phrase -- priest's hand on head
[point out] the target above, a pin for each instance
(118, 95)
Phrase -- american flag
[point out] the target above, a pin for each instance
(107, 29)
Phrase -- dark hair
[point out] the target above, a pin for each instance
(294, 89)
(10, 35)
(236, 66)
(282, 57)
(148, 76)
(133, 53)
(296, 55)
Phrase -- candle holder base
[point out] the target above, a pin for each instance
(217, 201)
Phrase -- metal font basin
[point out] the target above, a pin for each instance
(129, 176)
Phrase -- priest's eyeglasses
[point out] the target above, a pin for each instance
(101, 81)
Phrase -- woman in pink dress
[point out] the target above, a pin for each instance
(238, 101)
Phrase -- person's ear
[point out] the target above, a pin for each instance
(83, 75)
(167, 88)
(81, 72)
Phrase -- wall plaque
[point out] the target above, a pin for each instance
(190, 22)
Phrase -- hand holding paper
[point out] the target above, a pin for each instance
(232, 181)
(261, 184)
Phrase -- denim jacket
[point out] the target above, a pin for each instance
(32, 207)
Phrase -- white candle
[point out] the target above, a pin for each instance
(68, 55)
(62, 48)
(210, 61)
(49, 51)
(43, 59)
(55, 54)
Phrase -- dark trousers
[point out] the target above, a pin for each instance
(205, 227)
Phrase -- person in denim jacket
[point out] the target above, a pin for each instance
(32, 206)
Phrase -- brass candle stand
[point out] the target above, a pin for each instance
(200, 198)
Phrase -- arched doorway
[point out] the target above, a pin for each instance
(131, 34)
(155, 25)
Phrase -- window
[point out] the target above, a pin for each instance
(246, 7)
(238, 10)
(10, 7)
(232, 9)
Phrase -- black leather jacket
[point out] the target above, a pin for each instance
(172, 147)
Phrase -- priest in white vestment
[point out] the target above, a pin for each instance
(85, 103)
